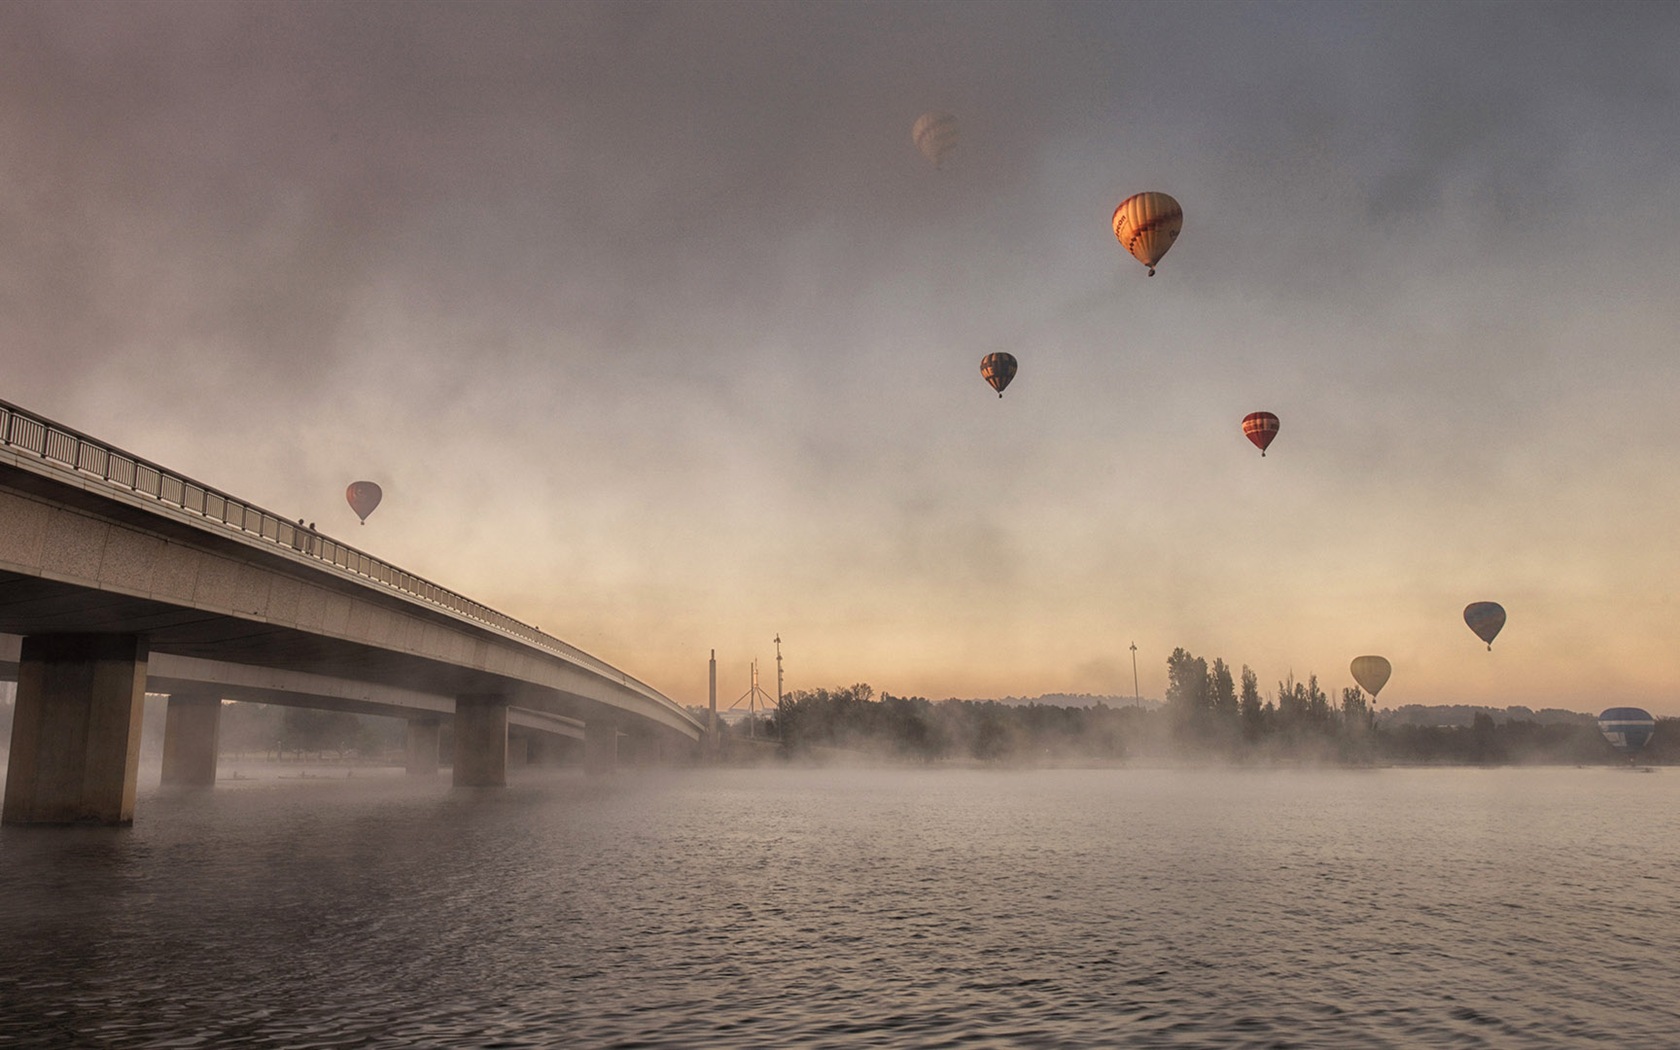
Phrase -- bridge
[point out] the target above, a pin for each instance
(118, 575)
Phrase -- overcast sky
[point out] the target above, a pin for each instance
(660, 334)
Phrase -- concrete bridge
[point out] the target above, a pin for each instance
(118, 575)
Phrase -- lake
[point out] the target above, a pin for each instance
(844, 908)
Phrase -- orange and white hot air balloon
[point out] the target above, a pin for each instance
(935, 134)
(363, 497)
(1147, 224)
(1260, 428)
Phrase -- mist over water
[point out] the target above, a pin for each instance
(776, 907)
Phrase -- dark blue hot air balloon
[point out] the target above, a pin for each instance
(1627, 728)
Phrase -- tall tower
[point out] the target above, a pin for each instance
(778, 671)
(711, 722)
(1137, 699)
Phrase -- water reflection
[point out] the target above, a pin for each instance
(821, 908)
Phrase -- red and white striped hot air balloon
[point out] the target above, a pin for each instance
(1260, 428)
(1147, 224)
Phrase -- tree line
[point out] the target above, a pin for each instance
(1210, 712)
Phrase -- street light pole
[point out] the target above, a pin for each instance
(1137, 700)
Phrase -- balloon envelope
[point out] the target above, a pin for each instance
(1260, 428)
(1371, 672)
(1147, 224)
(998, 370)
(363, 496)
(1627, 728)
(935, 134)
(1485, 618)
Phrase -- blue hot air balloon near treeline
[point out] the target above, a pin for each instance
(1627, 728)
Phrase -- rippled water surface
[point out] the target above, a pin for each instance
(776, 908)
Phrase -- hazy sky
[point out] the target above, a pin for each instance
(660, 334)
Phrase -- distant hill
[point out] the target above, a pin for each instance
(1465, 714)
(1070, 700)
(1409, 714)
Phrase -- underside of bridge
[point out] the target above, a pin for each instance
(103, 587)
(75, 745)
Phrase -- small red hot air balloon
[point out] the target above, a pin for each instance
(998, 369)
(1260, 428)
(363, 496)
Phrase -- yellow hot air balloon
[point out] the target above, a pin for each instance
(1147, 224)
(1371, 672)
(935, 134)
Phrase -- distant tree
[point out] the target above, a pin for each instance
(308, 729)
(1188, 696)
(1223, 694)
(1318, 705)
(1485, 745)
(249, 727)
(1248, 704)
(1356, 715)
(1291, 703)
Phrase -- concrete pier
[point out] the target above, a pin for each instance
(75, 755)
(191, 733)
(422, 746)
(481, 741)
(518, 751)
(600, 747)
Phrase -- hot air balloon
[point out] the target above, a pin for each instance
(1147, 224)
(1627, 728)
(1485, 618)
(998, 369)
(1371, 672)
(1260, 428)
(363, 496)
(935, 134)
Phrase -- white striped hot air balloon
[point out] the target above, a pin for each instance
(1147, 224)
(935, 134)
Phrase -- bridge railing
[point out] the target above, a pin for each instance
(88, 457)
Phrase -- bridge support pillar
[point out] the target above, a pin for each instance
(519, 751)
(539, 752)
(75, 756)
(422, 746)
(481, 741)
(600, 747)
(191, 731)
